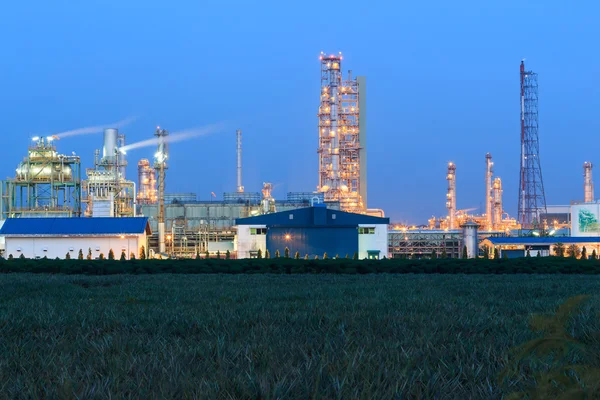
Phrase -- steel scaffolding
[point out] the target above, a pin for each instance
(46, 184)
(339, 142)
(532, 199)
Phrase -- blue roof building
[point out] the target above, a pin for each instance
(57, 237)
(312, 232)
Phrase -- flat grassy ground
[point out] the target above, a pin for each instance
(275, 336)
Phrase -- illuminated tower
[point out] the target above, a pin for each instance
(160, 165)
(489, 220)
(342, 136)
(532, 200)
(451, 195)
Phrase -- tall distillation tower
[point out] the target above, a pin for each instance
(451, 195)
(532, 199)
(342, 136)
(489, 215)
(160, 165)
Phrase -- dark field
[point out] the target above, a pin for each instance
(278, 336)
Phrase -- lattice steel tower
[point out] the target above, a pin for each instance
(342, 140)
(532, 200)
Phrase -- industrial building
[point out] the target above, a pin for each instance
(55, 237)
(514, 247)
(106, 191)
(313, 231)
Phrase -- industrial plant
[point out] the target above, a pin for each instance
(48, 187)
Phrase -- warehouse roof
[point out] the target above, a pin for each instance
(74, 226)
(543, 240)
(313, 216)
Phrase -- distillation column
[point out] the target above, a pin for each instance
(497, 203)
(240, 188)
(451, 195)
(160, 164)
(588, 183)
(489, 222)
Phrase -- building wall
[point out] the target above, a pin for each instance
(315, 241)
(585, 219)
(245, 242)
(375, 241)
(52, 247)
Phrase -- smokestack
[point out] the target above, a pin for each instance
(240, 188)
(110, 144)
(488, 195)
(497, 200)
(588, 183)
(451, 195)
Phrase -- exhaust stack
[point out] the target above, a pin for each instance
(588, 183)
(240, 188)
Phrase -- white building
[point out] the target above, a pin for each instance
(55, 237)
(313, 231)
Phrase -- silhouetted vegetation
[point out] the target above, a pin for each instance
(525, 265)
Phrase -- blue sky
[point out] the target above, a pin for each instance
(443, 85)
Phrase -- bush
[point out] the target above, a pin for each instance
(80, 255)
(89, 254)
(101, 256)
(22, 256)
(267, 254)
(286, 253)
(67, 256)
(10, 256)
(227, 255)
(218, 255)
(259, 254)
(355, 256)
(276, 253)
(123, 256)
(111, 254)
(142, 253)
(297, 255)
(325, 256)
(132, 256)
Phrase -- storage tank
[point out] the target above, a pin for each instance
(44, 173)
(470, 240)
(110, 143)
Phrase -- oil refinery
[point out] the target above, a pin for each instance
(48, 184)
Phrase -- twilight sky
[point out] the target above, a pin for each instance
(443, 85)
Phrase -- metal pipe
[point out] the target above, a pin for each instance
(588, 183)
(240, 188)
(122, 157)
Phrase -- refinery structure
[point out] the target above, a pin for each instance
(47, 183)
(342, 136)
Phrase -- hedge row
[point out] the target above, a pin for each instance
(534, 265)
